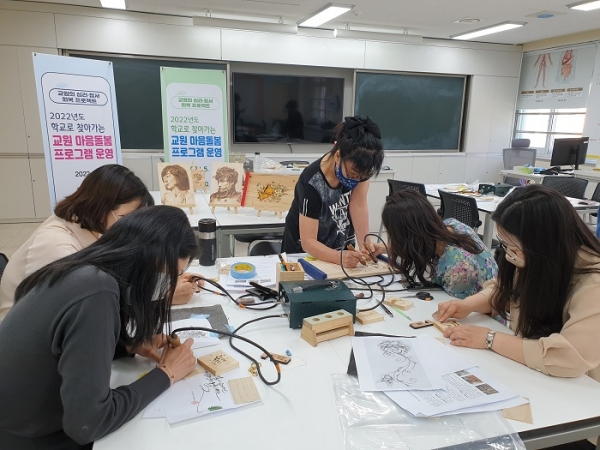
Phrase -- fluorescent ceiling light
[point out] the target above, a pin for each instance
(383, 37)
(114, 4)
(244, 25)
(504, 26)
(328, 12)
(585, 6)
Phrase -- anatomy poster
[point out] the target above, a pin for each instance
(556, 79)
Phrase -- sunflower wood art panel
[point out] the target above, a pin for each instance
(269, 192)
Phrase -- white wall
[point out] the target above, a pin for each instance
(49, 28)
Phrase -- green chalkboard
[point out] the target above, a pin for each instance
(414, 112)
(137, 86)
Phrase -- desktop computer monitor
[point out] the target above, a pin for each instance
(569, 152)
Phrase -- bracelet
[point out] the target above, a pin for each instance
(168, 372)
(489, 339)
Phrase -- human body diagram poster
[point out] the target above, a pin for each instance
(556, 79)
(78, 113)
(194, 105)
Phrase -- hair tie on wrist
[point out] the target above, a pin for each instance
(168, 372)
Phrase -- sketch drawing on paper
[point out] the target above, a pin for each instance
(402, 352)
(210, 397)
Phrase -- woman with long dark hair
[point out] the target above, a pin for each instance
(330, 198)
(424, 248)
(73, 316)
(548, 287)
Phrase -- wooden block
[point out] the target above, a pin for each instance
(244, 390)
(218, 362)
(421, 324)
(279, 358)
(367, 317)
(399, 303)
(289, 275)
(328, 321)
(445, 325)
(327, 326)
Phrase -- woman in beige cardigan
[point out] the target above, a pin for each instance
(548, 287)
(105, 195)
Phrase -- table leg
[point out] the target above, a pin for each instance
(488, 232)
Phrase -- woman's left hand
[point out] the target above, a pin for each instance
(150, 350)
(470, 336)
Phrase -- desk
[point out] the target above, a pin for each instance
(488, 208)
(535, 178)
(229, 223)
(299, 413)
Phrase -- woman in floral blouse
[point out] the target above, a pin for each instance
(428, 250)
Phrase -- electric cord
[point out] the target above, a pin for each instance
(233, 335)
(240, 305)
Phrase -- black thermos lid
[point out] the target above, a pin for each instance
(207, 225)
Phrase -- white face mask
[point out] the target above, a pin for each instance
(158, 295)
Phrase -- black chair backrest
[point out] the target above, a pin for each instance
(462, 208)
(596, 194)
(264, 248)
(567, 186)
(398, 185)
(3, 263)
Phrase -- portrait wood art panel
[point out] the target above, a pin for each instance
(226, 185)
(269, 192)
(176, 188)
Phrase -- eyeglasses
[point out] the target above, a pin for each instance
(503, 243)
(360, 180)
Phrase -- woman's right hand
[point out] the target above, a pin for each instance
(179, 361)
(350, 259)
(457, 309)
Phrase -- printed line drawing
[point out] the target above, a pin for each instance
(210, 397)
(403, 354)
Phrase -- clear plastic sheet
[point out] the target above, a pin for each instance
(370, 420)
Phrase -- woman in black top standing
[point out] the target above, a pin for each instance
(330, 209)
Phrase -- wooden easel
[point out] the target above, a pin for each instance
(324, 327)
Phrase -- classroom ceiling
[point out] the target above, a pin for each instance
(428, 18)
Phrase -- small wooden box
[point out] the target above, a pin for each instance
(297, 274)
(218, 362)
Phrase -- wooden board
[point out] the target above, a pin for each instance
(443, 326)
(335, 272)
(244, 390)
(226, 185)
(269, 192)
(367, 317)
(218, 362)
(399, 303)
(176, 186)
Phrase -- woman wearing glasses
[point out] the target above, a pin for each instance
(426, 249)
(548, 287)
(329, 209)
(73, 316)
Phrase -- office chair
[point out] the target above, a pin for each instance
(462, 208)
(519, 154)
(567, 186)
(264, 248)
(3, 263)
(399, 185)
(250, 238)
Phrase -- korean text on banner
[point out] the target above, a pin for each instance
(194, 106)
(78, 113)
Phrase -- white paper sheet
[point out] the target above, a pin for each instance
(464, 389)
(201, 338)
(389, 364)
(266, 272)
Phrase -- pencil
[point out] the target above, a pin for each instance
(361, 258)
(387, 311)
(402, 313)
